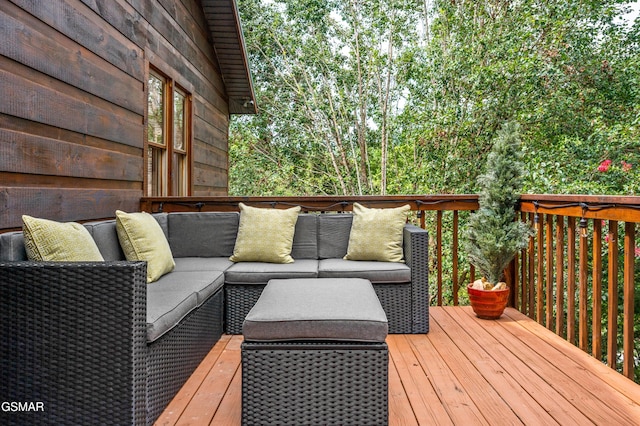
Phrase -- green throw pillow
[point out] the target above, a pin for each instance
(376, 234)
(265, 235)
(46, 240)
(141, 238)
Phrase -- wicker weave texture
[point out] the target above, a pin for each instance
(406, 305)
(174, 356)
(417, 257)
(239, 301)
(73, 336)
(312, 384)
(396, 302)
(63, 346)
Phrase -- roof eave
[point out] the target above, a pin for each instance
(223, 19)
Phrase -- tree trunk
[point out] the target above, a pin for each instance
(361, 122)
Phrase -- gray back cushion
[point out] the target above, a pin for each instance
(207, 234)
(12, 247)
(106, 237)
(333, 235)
(103, 232)
(163, 220)
(305, 239)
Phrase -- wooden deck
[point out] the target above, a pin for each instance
(465, 371)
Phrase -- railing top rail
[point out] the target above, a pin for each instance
(619, 208)
(578, 198)
(313, 203)
(606, 207)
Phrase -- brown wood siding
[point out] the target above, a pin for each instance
(72, 103)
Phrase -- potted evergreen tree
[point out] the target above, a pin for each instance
(493, 236)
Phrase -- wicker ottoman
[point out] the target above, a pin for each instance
(314, 352)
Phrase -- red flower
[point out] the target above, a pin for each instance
(637, 251)
(604, 166)
(625, 166)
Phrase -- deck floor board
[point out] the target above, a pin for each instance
(464, 371)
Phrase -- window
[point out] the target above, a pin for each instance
(168, 137)
(180, 175)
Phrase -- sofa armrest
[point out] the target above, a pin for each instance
(73, 338)
(416, 254)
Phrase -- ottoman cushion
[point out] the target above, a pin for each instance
(333, 309)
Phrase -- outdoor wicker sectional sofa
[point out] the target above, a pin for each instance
(97, 344)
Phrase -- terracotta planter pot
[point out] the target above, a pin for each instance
(488, 304)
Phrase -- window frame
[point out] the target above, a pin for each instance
(170, 184)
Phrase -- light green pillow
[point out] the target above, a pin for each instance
(265, 235)
(376, 234)
(46, 240)
(141, 238)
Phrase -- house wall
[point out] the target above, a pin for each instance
(73, 103)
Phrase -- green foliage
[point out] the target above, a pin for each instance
(406, 96)
(493, 236)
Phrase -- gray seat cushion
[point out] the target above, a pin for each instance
(317, 309)
(176, 294)
(376, 272)
(261, 272)
(201, 264)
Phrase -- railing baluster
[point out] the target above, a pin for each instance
(571, 280)
(560, 275)
(515, 279)
(439, 254)
(472, 273)
(628, 286)
(583, 333)
(524, 283)
(549, 278)
(455, 258)
(612, 326)
(596, 316)
(531, 278)
(540, 288)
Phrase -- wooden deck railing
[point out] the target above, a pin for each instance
(565, 279)
(578, 276)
